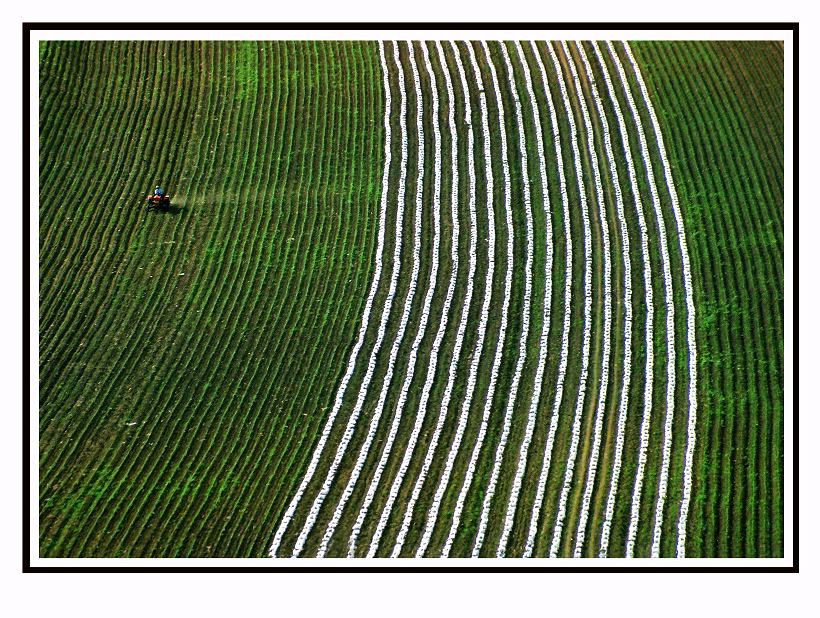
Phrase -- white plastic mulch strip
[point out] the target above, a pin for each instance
(627, 338)
(394, 350)
(363, 390)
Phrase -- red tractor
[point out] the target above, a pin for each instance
(158, 199)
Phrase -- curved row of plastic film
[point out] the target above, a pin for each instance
(670, 338)
(627, 337)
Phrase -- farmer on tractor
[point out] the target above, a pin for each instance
(159, 199)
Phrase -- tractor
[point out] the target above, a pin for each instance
(158, 199)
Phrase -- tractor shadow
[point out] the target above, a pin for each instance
(173, 210)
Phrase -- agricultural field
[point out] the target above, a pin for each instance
(411, 299)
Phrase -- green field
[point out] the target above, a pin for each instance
(190, 359)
